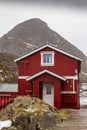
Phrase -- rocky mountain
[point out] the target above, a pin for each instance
(33, 33)
(8, 60)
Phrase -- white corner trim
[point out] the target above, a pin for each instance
(22, 77)
(73, 85)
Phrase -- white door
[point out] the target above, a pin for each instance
(48, 93)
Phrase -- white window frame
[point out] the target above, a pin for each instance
(47, 64)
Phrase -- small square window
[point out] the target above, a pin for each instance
(47, 58)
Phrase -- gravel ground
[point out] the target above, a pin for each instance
(77, 121)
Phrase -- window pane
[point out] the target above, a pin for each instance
(50, 58)
(47, 58)
(48, 90)
(44, 58)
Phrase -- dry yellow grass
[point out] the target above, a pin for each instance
(62, 115)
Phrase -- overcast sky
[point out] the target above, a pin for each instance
(66, 17)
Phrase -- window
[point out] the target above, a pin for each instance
(47, 58)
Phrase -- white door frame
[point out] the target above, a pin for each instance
(48, 93)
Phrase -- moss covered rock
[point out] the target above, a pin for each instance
(29, 113)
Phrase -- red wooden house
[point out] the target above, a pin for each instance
(50, 74)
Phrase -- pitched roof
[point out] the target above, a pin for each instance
(49, 46)
(45, 71)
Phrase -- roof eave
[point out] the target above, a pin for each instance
(45, 71)
(42, 47)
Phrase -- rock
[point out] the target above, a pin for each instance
(29, 113)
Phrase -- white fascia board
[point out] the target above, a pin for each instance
(65, 53)
(22, 77)
(42, 47)
(24, 56)
(71, 77)
(46, 71)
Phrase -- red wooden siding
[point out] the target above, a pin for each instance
(63, 65)
(66, 91)
(47, 78)
(66, 94)
(68, 86)
(57, 94)
(5, 100)
(25, 88)
(70, 101)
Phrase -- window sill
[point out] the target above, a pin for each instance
(68, 92)
(47, 64)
